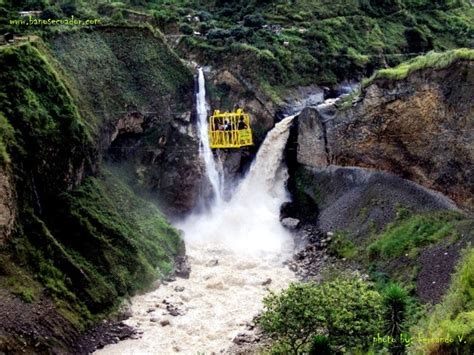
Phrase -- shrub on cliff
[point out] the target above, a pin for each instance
(347, 311)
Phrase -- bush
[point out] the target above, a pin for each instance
(218, 33)
(255, 21)
(238, 32)
(118, 16)
(186, 29)
(69, 9)
(50, 13)
(347, 311)
(204, 16)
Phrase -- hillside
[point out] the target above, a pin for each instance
(70, 225)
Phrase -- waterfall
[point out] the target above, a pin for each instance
(267, 174)
(249, 222)
(212, 171)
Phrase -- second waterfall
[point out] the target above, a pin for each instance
(213, 170)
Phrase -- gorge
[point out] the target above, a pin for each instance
(122, 231)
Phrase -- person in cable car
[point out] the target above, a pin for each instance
(242, 124)
(227, 126)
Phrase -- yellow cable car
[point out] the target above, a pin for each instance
(230, 129)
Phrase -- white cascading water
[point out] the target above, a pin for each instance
(205, 151)
(236, 253)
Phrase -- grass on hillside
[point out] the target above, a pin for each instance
(454, 316)
(408, 235)
(127, 68)
(432, 60)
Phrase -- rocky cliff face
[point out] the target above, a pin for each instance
(420, 128)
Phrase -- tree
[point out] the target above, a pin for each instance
(255, 21)
(395, 300)
(346, 311)
(218, 33)
(293, 316)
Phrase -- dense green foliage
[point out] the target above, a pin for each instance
(48, 135)
(6, 137)
(101, 242)
(431, 60)
(125, 240)
(282, 43)
(327, 41)
(454, 317)
(347, 311)
(127, 69)
(87, 244)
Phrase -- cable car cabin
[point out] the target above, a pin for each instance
(230, 129)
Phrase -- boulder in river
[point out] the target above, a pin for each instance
(165, 322)
(290, 223)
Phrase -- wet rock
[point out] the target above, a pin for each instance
(173, 310)
(244, 338)
(267, 282)
(290, 223)
(212, 262)
(183, 269)
(125, 310)
(165, 322)
(179, 288)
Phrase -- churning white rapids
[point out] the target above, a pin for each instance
(234, 250)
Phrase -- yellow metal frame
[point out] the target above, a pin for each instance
(234, 137)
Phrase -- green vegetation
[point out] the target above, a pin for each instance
(407, 236)
(6, 138)
(395, 300)
(325, 41)
(348, 312)
(17, 280)
(282, 43)
(431, 60)
(127, 68)
(46, 134)
(454, 316)
(87, 245)
(342, 246)
(100, 243)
